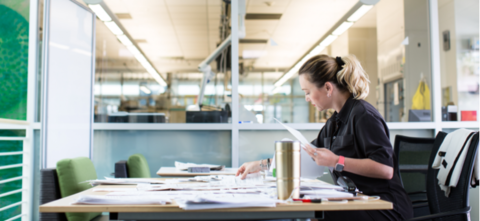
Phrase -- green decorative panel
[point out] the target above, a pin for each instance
(10, 146)
(13, 58)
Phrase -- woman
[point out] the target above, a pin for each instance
(356, 136)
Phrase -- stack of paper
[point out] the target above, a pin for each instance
(123, 181)
(122, 200)
(226, 201)
(185, 166)
(325, 193)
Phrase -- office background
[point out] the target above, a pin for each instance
(407, 47)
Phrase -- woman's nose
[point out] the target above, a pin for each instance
(307, 99)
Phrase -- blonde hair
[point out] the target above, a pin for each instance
(345, 72)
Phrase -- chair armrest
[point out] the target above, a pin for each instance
(444, 214)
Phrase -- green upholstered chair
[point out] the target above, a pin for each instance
(72, 174)
(138, 166)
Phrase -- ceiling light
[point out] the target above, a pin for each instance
(114, 28)
(359, 13)
(145, 89)
(315, 51)
(101, 14)
(328, 40)
(342, 28)
(125, 40)
(275, 90)
(134, 50)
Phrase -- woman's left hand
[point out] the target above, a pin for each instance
(322, 156)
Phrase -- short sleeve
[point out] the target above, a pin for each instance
(372, 139)
(319, 141)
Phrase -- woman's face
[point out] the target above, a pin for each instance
(316, 96)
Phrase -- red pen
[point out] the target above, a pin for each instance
(309, 200)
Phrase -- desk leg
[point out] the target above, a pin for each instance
(319, 215)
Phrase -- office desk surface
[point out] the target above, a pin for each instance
(172, 171)
(65, 205)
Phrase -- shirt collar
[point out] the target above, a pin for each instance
(345, 111)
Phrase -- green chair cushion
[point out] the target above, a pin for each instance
(138, 166)
(72, 174)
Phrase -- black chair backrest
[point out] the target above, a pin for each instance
(459, 196)
(413, 151)
(121, 169)
(50, 191)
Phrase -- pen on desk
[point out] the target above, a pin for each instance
(308, 200)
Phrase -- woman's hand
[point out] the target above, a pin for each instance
(249, 167)
(322, 156)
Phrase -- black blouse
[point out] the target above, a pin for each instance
(360, 132)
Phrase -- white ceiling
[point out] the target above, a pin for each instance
(179, 34)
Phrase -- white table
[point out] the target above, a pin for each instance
(172, 171)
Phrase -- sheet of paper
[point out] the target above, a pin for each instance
(296, 134)
(121, 200)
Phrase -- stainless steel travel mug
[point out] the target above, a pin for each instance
(287, 162)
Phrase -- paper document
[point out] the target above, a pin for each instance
(185, 166)
(325, 193)
(226, 201)
(121, 200)
(296, 134)
(123, 181)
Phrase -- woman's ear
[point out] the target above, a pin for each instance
(328, 87)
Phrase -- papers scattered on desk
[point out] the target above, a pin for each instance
(318, 185)
(226, 201)
(134, 190)
(185, 166)
(123, 181)
(325, 193)
(121, 200)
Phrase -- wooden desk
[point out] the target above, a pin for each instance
(173, 212)
(172, 171)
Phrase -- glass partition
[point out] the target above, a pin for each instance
(391, 41)
(160, 148)
(459, 54)
(255, 144)
(173, 44)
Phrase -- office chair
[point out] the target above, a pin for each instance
(412, 155)
(67, 179)
(456, 206)
(135, 167)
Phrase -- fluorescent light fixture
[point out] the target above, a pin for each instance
(114, 27)
(342, 28)
(116, 30)
(328, 40)
(145, 89)
(100, 12)
(276, 90)
(125, 40)
(359, 13)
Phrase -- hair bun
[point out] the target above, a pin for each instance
(339, 61)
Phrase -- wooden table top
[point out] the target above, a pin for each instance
(65, 205)
(172, 171)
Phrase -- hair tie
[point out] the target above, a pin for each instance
(340, 62)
